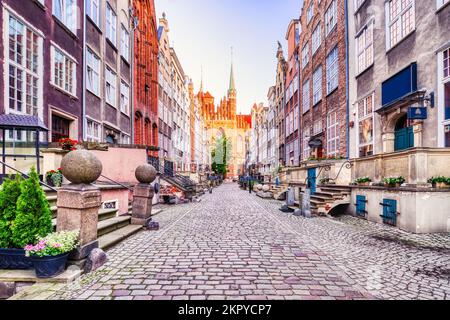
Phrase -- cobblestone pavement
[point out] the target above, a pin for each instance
(233, 245)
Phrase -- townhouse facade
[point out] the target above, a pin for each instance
(291, 99)
(145, 85)
(272, 132)
(279, 104)
(165, 96)
(108, 77)
(323, 94)
(42, 66)
(399, 87)
(180, 114)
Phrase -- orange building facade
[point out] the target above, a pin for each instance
(145, 74)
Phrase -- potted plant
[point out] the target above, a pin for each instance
(364, 181)
(325, 181)
(394, 182)
(50, 254)
(440, 182)
(11, 256)
(68, 144)
(33, 214)
(54, 178)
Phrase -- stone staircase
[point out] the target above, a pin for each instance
(279, 192)
(112, 228)
(328, 198)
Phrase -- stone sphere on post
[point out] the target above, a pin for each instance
(146, 173)
(81, 167)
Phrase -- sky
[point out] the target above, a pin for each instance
(202, 33)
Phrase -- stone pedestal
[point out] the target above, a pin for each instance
(143, 195)
(79, 202)
(142, 204)
(78, 206)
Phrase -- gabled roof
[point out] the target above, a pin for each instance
(9, 121)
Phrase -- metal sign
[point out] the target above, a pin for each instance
(417, 113)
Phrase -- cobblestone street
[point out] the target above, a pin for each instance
(233, 245)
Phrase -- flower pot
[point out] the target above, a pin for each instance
(396, 185)
(49, 267)
(364, 184)
(14, 259)
(442, 185)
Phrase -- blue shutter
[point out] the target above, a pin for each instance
(361, 206)
(389, 212)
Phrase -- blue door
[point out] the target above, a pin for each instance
(404, 139)
(312, 180)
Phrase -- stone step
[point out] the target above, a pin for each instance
(108, 240)
(103, 214)
(112, 224)
(52, 200)
(328, 195)
(336, 189)
(321, 198)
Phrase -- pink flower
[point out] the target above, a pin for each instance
(57, 245)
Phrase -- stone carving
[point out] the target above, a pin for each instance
(81, 167)
(146, 173)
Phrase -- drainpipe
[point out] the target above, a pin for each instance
(84, 74)
(347, 81)
(133, 27)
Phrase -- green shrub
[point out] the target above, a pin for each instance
(363, 180)
(9, 194)
(33, 217)
(393, 181)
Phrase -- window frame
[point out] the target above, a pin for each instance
(67, 58)
(368, 27)
(398, 18)
(367, 115)
(332, 70)
(306, 96)
(35, 70)
(317, 85)
(336, 139)
(111, 24)
(97, 72)
(65, 19)
(110, 75)
(90, 11)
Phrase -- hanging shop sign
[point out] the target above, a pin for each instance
(417, 113)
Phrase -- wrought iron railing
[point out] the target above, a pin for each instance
(116, 183)
(27, 176)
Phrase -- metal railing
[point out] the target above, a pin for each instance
(27, 176)
(117, 183)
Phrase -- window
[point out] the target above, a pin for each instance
(332, 70)
(358, 4)
(124, 98)
(400, 20)
(305, 55)
(66, 12)
(110, 87)
(441, 3)
(64, 71)
(93, 10)
(310, 12)
(125, 43)
(330, 17)
(445, 94)
(24, 67)
(317, 128)
(93, 72)
(364, 47)
(332, 134)
(306, 148)
(94, 131)
(317, 85)
(124, 138)
(111, 22)
(296, 122)
(316, 38)
(306, 98)
(365, 126)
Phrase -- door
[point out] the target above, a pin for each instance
(312, 180)
(389, 212)
(404, 135)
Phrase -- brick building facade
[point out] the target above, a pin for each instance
(145, 74)
(323, 87)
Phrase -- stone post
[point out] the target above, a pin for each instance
(79, 202)
(143, 195)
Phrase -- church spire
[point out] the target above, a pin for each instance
(232, 84)
(201, 81)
